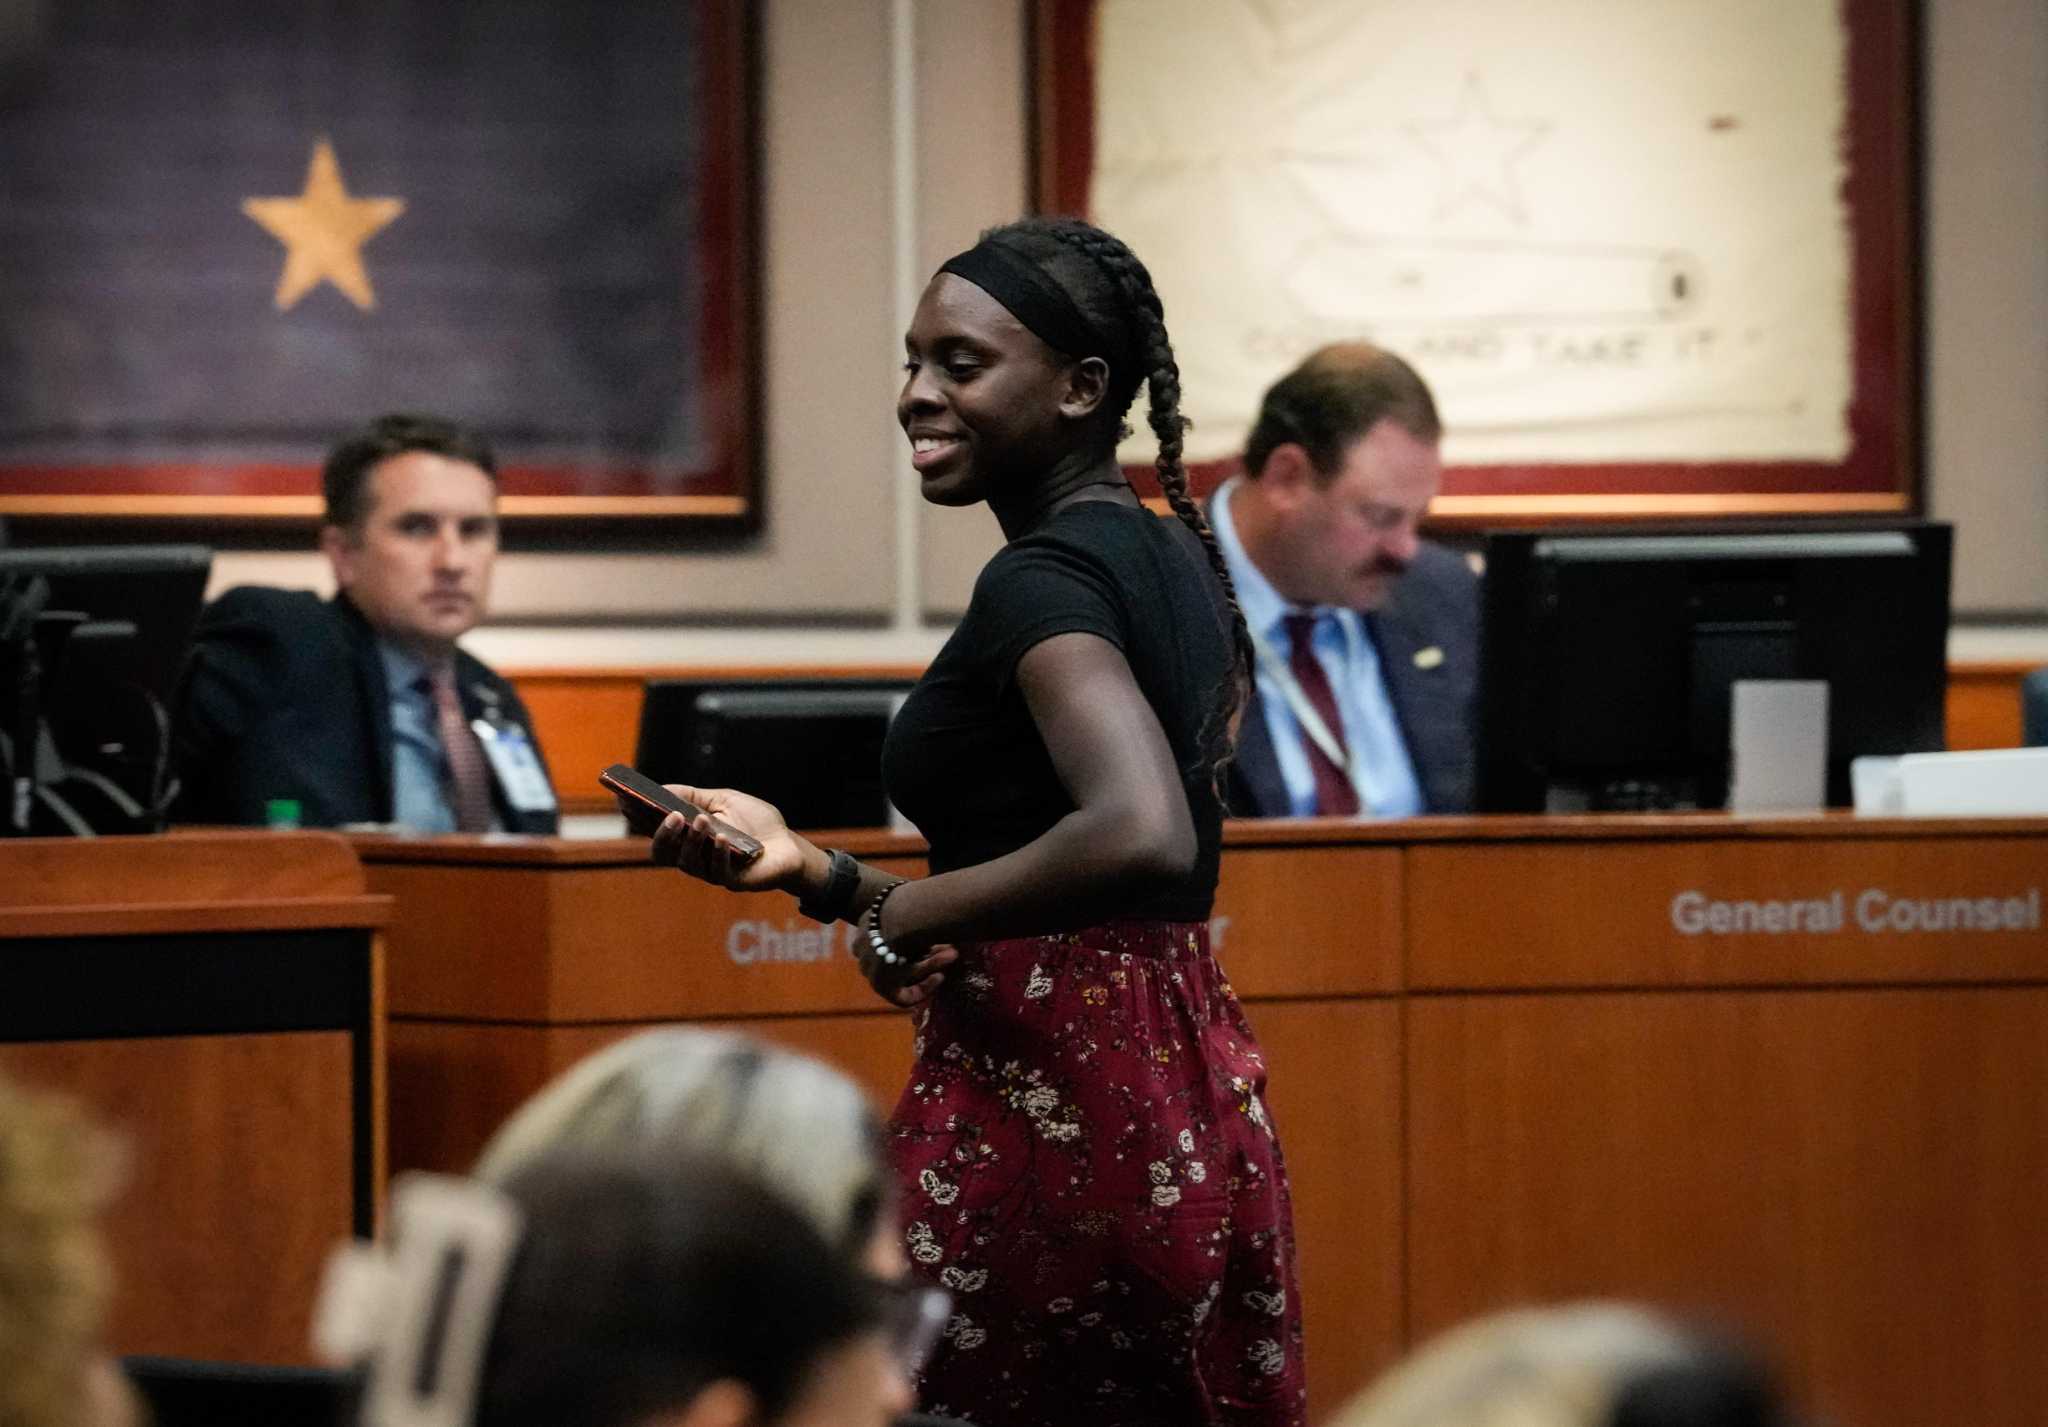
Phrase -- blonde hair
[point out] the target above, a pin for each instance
(794, 1123)
(57, 1173)
(1531, 1367)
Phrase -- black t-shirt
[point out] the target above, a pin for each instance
(965, 762)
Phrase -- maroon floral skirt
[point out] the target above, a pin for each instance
(1088, 1166)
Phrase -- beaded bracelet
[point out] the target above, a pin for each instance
(871, 923)
(842, 880)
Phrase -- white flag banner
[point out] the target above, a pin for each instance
(1603, 233)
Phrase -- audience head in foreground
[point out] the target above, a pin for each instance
(791, 1122)
(57, 1174)
(611, 1290)
(1581, 1365)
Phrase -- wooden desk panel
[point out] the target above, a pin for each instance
(453, 1084)
(1334, 1090)
(1801, 1130)
(223, 1130)
(456, 1082)
(543, 931)
(472, 941)
(215, 997)
(193, 867)
(1984, 702)
(675, 947)
(1643, 913)
(563, 944)
(1853, 1176)
(1309, 921)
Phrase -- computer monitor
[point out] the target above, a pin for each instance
(92, 639)
(1607, 657)
(812, 747)
(2034, 709)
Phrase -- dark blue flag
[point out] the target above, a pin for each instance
(232, 229)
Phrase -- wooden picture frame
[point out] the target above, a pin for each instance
(78, 469)
(1880, 473)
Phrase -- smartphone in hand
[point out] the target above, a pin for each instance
(640, 791)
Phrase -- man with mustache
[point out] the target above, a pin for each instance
(361, 709)
(1366, 635)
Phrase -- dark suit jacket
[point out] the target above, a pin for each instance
(284, 697)
(2034, 709)
(1435, 605)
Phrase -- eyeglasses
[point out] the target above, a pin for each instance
(913, 1316)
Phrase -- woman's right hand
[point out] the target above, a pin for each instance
(916, 969)
(906, 984)
(695, 848)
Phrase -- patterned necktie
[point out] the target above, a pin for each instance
(1335, 796)
(469, 781)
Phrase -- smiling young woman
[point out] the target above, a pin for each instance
(1084, 1151)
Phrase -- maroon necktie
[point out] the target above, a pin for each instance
(1335, 796)
(469, 781)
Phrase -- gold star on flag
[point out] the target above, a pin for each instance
(323, 231)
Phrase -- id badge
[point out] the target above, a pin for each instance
(516, 765)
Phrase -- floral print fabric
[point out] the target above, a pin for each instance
(1088, 1167)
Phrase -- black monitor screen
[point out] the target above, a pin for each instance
(98, 635)
(812, 747)
(1608, 657)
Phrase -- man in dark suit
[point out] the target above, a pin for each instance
(361, 709)
(1366, 635)
(2034, 709)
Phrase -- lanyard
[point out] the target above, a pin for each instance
(1305, 712)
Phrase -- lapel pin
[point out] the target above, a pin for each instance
(1429, 657)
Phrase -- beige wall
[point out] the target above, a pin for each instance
(895, 129)
(1987, 296)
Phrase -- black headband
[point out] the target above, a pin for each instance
(1038, 302)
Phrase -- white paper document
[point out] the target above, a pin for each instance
(1777, 745)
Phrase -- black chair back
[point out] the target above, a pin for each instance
(2034, 709)
(190, 1392)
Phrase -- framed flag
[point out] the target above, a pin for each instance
(1654, 260)
(232, 232)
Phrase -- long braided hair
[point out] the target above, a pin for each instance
(1113, 289)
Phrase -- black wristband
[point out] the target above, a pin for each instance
(842, 880)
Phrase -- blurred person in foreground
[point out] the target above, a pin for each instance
(362, 709)
(58, 1172)
(1579, 1365)
(594, 1289)
(794, 1123)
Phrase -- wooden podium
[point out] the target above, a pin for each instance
(214, 999)
(1788, 1073)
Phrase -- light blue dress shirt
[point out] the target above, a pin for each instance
(1388, 786)
(419, 786)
